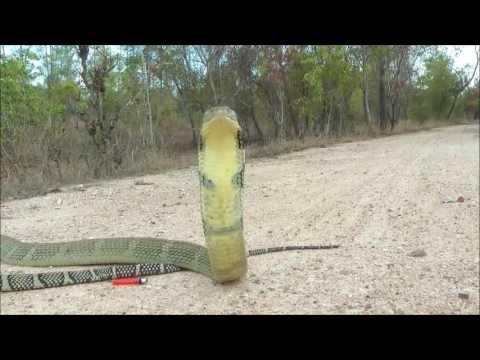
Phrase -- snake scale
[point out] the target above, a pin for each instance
(221, 159)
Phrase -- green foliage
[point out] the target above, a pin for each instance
(41, 85)
(21, 102)
(64, 97)
(435, 88)
(356, 103)
(331, 71)
(332, 78)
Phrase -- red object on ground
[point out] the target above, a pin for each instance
(130, 281)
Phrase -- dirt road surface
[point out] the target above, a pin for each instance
(380, 200)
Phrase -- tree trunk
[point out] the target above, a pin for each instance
(48, 79)
(319, 120)
(452, 107)
(329, 118)
(293, 118)
(340, 119)
(381, 94)
(281, 118)
(243, 115)
(307, 125)
(393, 117)
(148, 107)
(317, 125)
(366, 106)
(194, 131)
(99, 129)
(255, 123)
(212, 86)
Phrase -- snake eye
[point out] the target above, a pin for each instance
(241, 143)
(206, 182)
(237, 179)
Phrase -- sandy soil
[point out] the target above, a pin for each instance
(379, 199)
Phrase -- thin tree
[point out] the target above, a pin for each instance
(463, 84)
(147, 82)
(94, 77)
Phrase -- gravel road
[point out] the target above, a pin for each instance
(407, 245)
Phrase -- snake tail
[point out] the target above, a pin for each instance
(36, 281)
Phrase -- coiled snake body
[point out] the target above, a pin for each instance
(221, 173)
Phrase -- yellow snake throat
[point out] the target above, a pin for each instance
(221, 166)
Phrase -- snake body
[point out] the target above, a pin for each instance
(153, 256)
(221, 172)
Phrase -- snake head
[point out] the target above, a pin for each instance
(219, 120)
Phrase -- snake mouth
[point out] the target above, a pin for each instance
(219, 127)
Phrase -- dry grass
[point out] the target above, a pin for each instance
(28, 168)
(275, 148)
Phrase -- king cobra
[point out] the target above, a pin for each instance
(221, 162)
